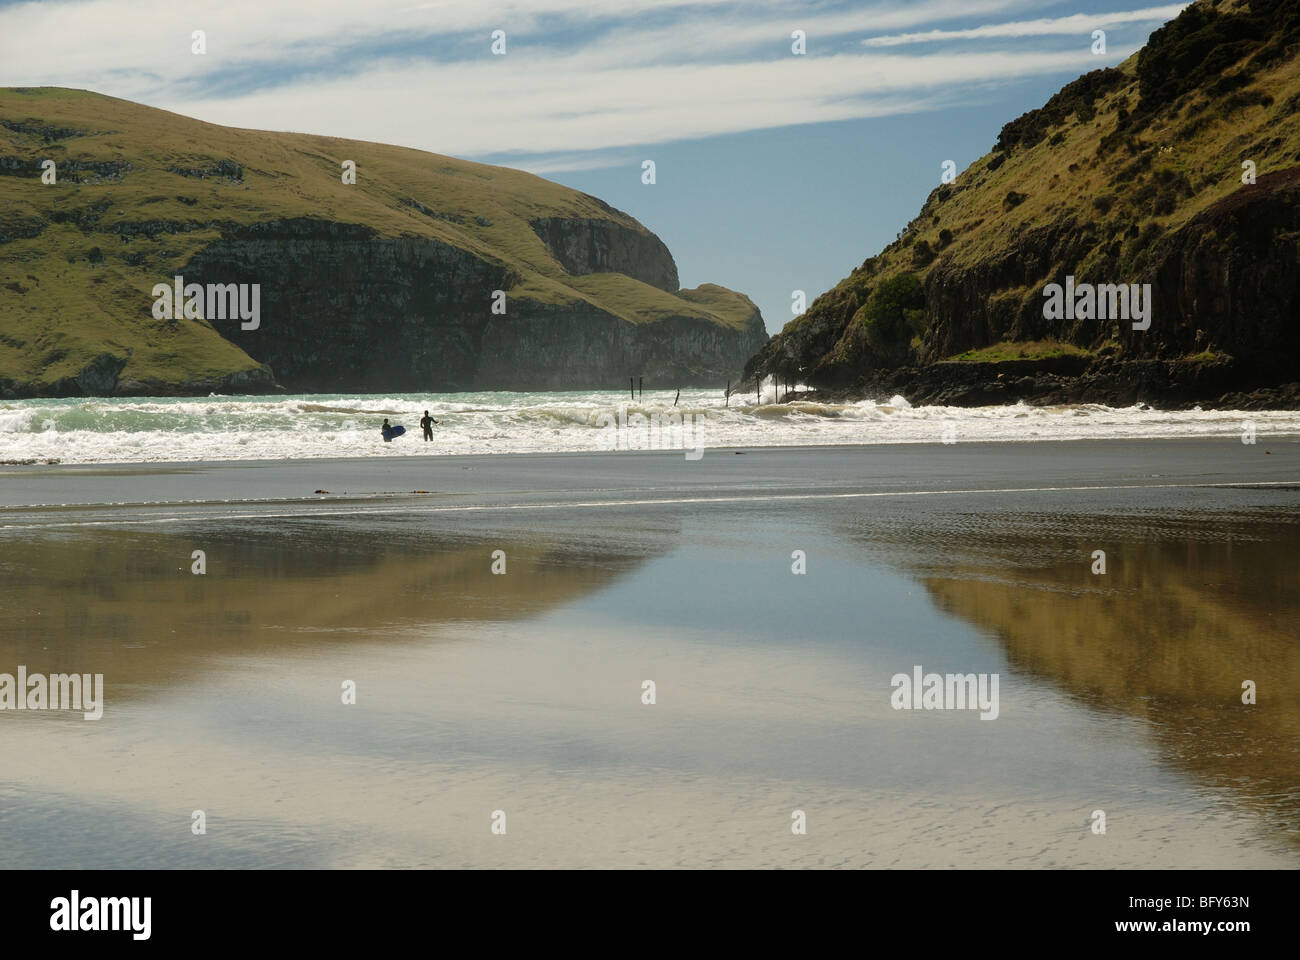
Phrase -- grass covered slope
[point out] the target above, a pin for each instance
(1127, 175)
(419, 240)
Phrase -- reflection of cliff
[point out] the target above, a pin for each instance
(1168, 634)
(127, 605)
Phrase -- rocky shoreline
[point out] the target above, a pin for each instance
(1162, 384)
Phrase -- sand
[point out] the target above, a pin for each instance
(522, 691)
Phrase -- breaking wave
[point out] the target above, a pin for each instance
(242, 428)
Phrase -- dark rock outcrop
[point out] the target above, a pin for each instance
(1167, 384)
(413, 314)
(604, 246)
(1231, 278)
(255, 381)
(555, 348)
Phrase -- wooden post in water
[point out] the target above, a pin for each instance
(758, 388)
(640, 387)
(726, 397)
(678, 397)
(631, 388)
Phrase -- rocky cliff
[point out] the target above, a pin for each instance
(408, 312)
(605, 246)
(425, 274)
(1180, 169)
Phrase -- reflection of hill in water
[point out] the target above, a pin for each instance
(126, 605)
(1190, 607)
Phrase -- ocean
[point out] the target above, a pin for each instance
(153, 429)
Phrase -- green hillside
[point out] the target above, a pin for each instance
(1126, 175)
(142, 193)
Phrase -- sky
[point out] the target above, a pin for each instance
(775, 171)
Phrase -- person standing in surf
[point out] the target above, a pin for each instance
(387, 431)
(427, 422)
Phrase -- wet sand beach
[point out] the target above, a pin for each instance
(522, 691)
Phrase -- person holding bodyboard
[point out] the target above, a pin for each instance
(389, 432)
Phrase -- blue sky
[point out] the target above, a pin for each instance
(774, 171)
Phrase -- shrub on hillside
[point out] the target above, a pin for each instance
(1201, 45)
(1078, 97)
(893, 316)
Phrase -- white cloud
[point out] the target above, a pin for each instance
(547, 164)
(1080, 24)
(609, 78)
(559, 106)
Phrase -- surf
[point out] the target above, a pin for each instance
(314, 426)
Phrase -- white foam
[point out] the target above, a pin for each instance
(304, 427)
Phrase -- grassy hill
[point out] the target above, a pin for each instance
(409, 253)
(1127, 175)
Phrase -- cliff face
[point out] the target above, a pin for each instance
(676, 351)
(1228, 278)
(385, 284)
(1180, 169)
(406, 313)
(1232, 275)
(604, 246)
(340, 304)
